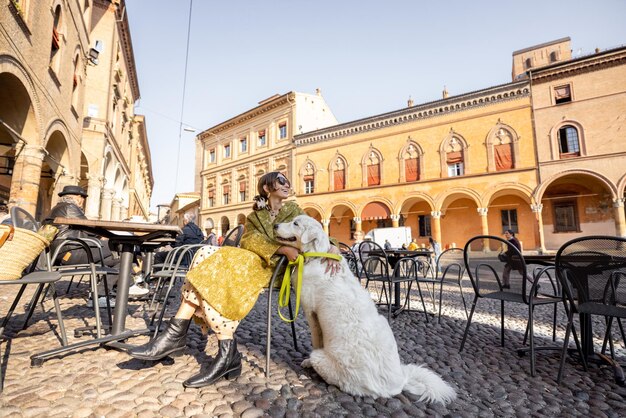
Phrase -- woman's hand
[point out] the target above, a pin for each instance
(332, 266)
(290, 252)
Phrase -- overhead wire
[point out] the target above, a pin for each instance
(182, 106)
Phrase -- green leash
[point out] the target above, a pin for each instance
(285, 288)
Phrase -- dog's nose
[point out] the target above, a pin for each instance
(276, 226)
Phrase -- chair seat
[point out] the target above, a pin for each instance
(168, 273)
(597, 308)
(35, 277)
(85, 270)
(517, 298)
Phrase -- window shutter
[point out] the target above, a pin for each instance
(242, 186)
(562, 92)
(411, 169)
(226, 189)
(262, 133)
(309, 177)
(454, 157)
(211, 193)
(503, 155)
(282, 124)
(373, 175)
(340, 181)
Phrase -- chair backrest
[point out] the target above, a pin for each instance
(366, 247)
(348, 254)
(450, 264)
(485, 269)
(233, 237)
(23, 219)
(593, 269)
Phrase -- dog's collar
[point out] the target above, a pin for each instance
(285, 288)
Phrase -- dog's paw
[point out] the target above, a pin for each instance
(306, 363)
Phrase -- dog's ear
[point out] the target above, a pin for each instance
(308, 236)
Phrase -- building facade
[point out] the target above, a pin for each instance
(232, 156)
(451, 169)
(117, 153)
(580, 119)
(67, 88)
(43, 64)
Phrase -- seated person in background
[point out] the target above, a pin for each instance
(387, 245)
(70, 205)
(190, 234)
(413, 245)
(211, 238)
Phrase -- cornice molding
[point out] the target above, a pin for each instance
(579, 66)
(477, 99)
(246, 116)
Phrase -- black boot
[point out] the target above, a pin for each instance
(227, 364)
(171, 341)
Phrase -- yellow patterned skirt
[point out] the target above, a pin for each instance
(230, 280)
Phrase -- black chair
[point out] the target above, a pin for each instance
(407, 270)
(278, 272)
(233, 237)
(378, 269)
(485, 271)
(350, 257)
(450, 266)
(22, 219)
(592, 271)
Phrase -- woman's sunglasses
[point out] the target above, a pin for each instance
(283, 181)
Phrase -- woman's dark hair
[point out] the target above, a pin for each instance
(431, 240)
(269, 180)
(511, 232)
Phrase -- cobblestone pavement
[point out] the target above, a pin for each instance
(490, 380)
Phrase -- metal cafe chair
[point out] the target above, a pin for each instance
(407, 271)
(485, 270)
(22, 219)
(233, 237)
(592, 271)
(350, 257)
(450, 265)
(376, 270)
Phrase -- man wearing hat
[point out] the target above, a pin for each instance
(70, 205)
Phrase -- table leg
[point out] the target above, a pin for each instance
(123, 283)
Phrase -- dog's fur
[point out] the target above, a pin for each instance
(353, 346)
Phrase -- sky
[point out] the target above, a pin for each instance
(367, 57)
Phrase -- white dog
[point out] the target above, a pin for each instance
(353, 346)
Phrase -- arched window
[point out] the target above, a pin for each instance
(225, 194)
(569, 144)
(55, 49)
(309, 178)
(502, 148)
(75, 82)
(411, 164)
(373, 169)
(454, 158)
(338, 168)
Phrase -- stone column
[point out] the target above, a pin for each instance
(92, 206)
(325, 224)
(620, 217)
(539, 225)
(105, 204)
(436, 226)
(124, 212)
(115, 209)
(484, 225)
(357, 224)
(395, 220)
(26, 177)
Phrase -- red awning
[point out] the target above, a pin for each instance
(375, 210)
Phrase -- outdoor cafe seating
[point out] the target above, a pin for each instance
(592, 271)
(485, 270)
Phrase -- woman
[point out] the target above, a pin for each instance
(221, 289)
(436, 249)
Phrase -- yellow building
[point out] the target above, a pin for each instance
(580, 119)
(451, 169)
